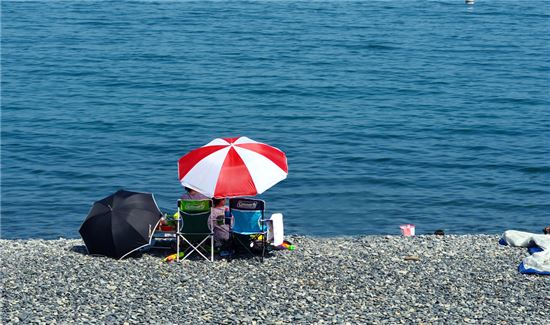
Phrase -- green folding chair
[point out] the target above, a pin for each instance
(193, 228)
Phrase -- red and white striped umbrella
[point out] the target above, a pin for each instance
(231, 167)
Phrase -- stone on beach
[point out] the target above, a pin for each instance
(357, 280)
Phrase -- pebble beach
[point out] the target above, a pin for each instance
(466, 279)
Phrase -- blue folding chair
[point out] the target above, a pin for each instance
(249, 223)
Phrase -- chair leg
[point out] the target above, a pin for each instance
(248, 250)
(211, 248)
(264, 243)
(196, 248)
(232, 248)
(177, 247)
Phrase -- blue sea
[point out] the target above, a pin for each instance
(426, 112)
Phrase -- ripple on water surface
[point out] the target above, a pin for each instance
(389, 113)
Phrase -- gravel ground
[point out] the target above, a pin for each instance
(364, 280)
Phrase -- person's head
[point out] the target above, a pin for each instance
(218, 202)
(189, 190)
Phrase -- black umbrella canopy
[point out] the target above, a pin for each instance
(120, 223)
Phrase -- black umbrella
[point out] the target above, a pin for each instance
(120, 223)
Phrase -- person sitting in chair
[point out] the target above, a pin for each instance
(217, 221)
(191, 194)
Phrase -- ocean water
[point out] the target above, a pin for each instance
(426, 112)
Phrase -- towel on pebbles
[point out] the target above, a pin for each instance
(538, 262)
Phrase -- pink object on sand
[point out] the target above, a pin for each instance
(407, 230)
